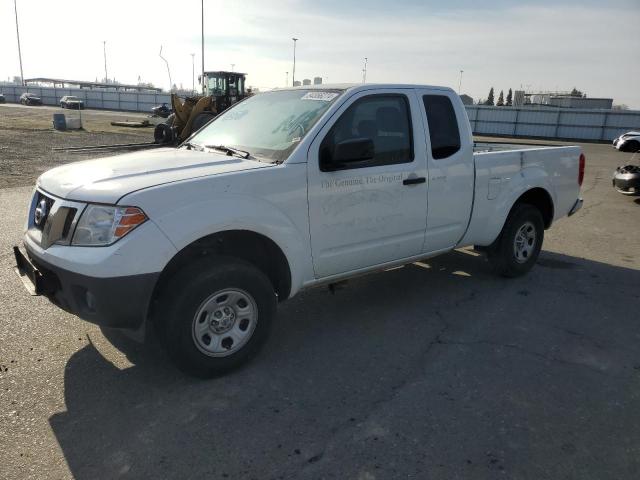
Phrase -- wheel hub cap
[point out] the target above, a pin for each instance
(223, 319)
(224, 322)
(524, 243)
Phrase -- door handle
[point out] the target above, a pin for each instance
(414, 180)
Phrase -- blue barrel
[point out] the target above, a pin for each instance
(59, 121)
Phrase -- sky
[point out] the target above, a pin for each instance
(536, 45)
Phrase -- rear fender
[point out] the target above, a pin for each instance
(490, 214)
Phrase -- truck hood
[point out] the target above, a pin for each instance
(106, 180)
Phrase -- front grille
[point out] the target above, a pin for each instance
(55, 220)
(40, 214)
(71, 214)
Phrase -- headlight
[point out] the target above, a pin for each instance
(102, 225)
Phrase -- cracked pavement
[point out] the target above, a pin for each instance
(437, 370)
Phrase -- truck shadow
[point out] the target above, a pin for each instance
(333, 360)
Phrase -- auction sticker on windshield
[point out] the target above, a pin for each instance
(322, 96)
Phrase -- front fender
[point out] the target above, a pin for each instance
(189, 211)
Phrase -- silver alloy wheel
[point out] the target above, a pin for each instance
(224, 322)
(525, 242)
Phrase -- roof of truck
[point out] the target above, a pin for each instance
(363, 86)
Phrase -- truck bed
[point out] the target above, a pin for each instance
(500, 171)
(483, 147)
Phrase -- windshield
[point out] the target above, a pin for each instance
(268, 125)
(73, 98)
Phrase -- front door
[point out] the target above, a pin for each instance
(373, 211)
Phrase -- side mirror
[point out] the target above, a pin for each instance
(349, 153)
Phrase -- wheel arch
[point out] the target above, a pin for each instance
(541, 199)
(254, 248)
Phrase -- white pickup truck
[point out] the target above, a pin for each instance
(284, 191)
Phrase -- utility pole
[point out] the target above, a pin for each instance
(294, 61)
(232, 65)
(15, 7)
(460, 82)
(286, 84)
(202, 44)
(364, 71)
(193, 73)
(104, 52)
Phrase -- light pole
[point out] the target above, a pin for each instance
(364, 71)
(286, 83)
(293, 75)
(193, 73)
(202, 42)
(168, 71)
(460, 82)
(232, 66)
(104, 52)
(15, 7)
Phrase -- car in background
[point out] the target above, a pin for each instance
(162, 110)
(2, 99)
(28, 98)
(628, 142)
(69, 101)
(626, 180)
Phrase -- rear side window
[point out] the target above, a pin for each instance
(443, 126)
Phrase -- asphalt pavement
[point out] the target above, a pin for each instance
(437, 370)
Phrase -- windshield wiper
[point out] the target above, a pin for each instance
(192, 146)
(229, 150)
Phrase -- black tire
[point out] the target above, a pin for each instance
(502, 253)
(633, 146)
(189, 290)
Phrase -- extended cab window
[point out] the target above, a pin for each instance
(385, 120)
(443, 126)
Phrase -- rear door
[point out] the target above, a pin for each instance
(449, 153)
(374, 211)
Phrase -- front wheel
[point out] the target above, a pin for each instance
(215, 315)
(517, 248)
(632, 146)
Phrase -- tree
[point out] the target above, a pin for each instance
(490, 98)
(510, 98)
(501, 99)
(576, 93)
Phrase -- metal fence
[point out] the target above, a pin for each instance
(547, 122)
(103, 99)
(565, 123)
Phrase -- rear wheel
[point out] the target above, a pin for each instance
(517, 248)
(215, 315)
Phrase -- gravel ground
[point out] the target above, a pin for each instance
(438, 370)
(27, 139)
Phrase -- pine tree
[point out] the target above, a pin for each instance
(501, 99)
(510, 98)
(490, 98)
